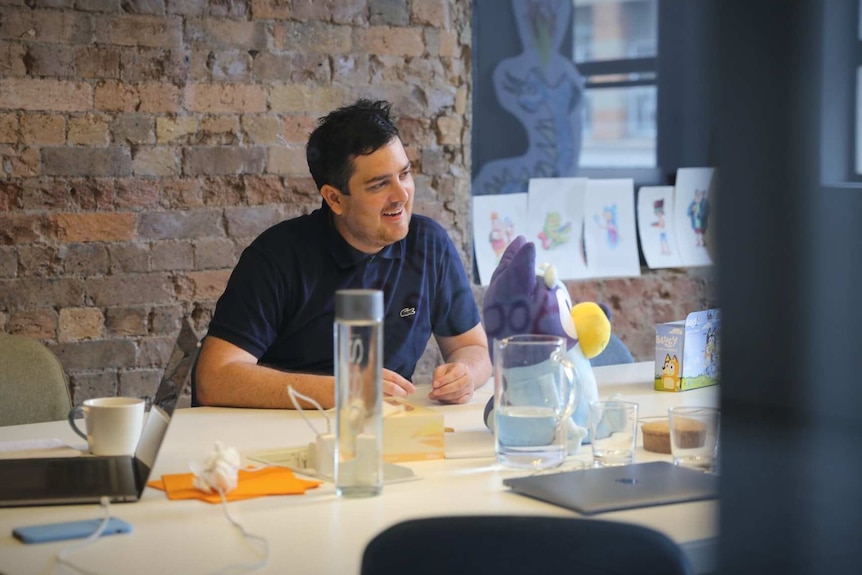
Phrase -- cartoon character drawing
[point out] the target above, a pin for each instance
(698, 213)
(554, 233)
(502, 232)
(710, 352)
(608, 222)
(670, 372)
(658, 210)
(543, 90)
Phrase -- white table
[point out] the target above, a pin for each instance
(319, 533)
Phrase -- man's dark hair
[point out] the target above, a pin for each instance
(356, 130)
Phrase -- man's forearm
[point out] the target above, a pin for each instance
(249, 385)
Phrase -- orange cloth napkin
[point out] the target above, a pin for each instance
(250, 483)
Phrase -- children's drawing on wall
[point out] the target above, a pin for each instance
(555, 224)
(544, 91)
(656, 226)
(691, 214)
(497, 220)
(609, 231)
(607, 221)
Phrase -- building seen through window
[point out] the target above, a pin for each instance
(615, 47)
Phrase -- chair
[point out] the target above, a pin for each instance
(33, 384)
(514, 545)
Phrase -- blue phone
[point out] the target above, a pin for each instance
(69, 530)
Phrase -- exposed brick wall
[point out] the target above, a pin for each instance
(144, 143)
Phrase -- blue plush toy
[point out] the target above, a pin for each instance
(523, 300)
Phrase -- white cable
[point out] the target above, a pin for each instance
(63, 554)
(261, 541)
(294, 394)
(220, 473)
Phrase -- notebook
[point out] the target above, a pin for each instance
(86, 479)
(597, 490)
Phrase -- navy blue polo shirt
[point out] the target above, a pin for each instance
(279, 304)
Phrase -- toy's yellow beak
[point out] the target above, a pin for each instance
(593, 327)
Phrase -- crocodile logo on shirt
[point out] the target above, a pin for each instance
(408, 311)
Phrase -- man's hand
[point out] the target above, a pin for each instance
(452, 383)
(394, 384)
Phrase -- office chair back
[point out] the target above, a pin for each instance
(514, 545)
(33, 384)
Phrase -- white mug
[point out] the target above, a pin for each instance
(113, 424)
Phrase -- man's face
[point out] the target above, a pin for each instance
(377, 211)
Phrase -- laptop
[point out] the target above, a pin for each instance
(121, 478)
(597, 490)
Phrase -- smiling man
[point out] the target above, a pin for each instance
(273, 324)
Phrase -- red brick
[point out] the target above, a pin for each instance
(47, 26)
(298, 127)
(314, 37)
(181, 194)
(10, 195)
(136, 193)
(38, 324)
(221, 34)
(89, 258)
(46, 193)
(54, 60)
(45, 94)
(225, 98)
(384, 40)
(180, 225)
(113, 161)
(287, 161)
(264, 190)
(43, 129)
(156, 161)
(312, 9)
(271, 9)
(19, 162)
(94, 227)
(434, 13)
(98, 62)
(92, 193)
(88, 130)
(140, 65)
(222, 160)
(95, 355)
(221, 130)
(152, 31)
(159, 98)
(22, 229)
(12, 56)
(304, 98)
(80, 323)
(116, 96)
(40, 293)
(208, 284)
(130, 289)
(126, 321)
(171, 255)
(9, 133)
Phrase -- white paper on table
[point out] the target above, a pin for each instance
(656, 227)
(468, 444)
(497, 220)
(555, 224)
(37, 448)
(692, 214)
(610, 234)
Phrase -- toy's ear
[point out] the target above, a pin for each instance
(516, 268)
(507, 300)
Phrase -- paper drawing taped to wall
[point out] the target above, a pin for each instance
(497, 220)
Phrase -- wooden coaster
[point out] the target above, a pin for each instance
(657, 436)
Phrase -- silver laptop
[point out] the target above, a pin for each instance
(86, 479)
(597, 490)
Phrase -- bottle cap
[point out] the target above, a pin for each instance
(359, 305)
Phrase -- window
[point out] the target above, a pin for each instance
(615, 47)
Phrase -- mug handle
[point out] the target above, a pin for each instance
(73, 413)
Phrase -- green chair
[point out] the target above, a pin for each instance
(33, 384)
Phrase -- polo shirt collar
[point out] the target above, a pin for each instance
(346, 255)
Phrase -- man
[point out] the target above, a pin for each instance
(272, 327)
